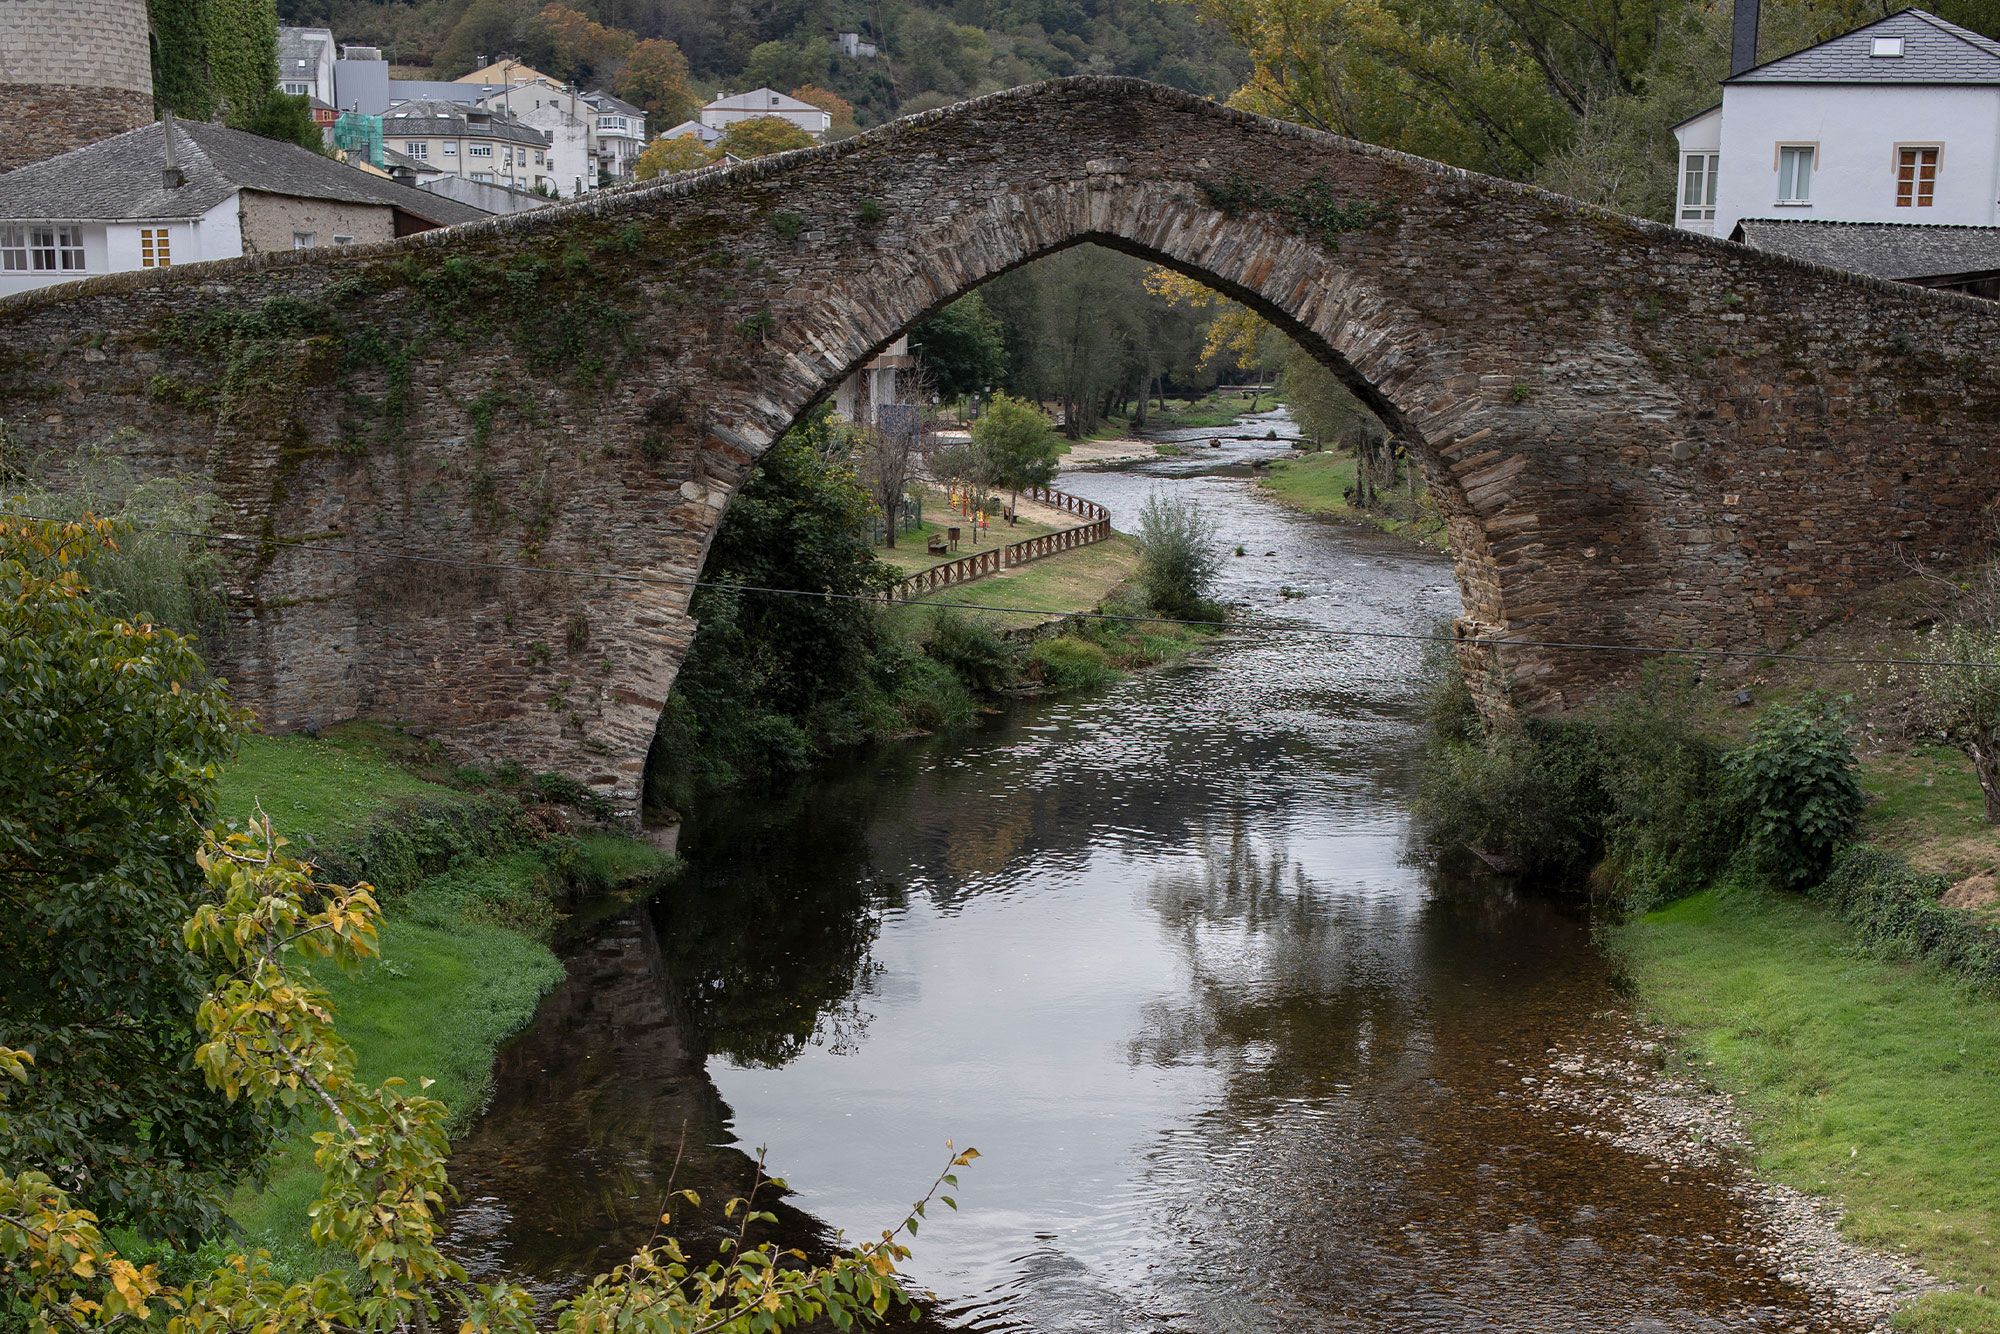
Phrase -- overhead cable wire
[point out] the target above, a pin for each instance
(1278, 628)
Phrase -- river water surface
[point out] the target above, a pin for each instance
(1234, 1058)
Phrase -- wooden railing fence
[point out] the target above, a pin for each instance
(995, 559)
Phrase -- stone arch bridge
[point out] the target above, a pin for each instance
(1637, 435)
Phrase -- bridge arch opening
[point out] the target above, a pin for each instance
(1210, 298)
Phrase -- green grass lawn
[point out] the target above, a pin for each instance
(1871, 1081)
(911, 555)
(1318, 483)
(1219, 408)
(1054, 586)
(1925, 803)
(465, 954)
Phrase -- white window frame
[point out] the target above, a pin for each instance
(305, 240)
(338, 239)
(1794, 188)
(479, 150)
(1699, 171)
(1896, 152)
(418, 149)
(1885, 48)
(450, 149)
(296, 89)
(54, 248)
(13, 249)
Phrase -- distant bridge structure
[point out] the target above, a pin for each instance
(1635, 435)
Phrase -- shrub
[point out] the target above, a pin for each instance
(1179, 559)
(1069, 662)
(975, 653)
(1796, 778)
(1895, 908)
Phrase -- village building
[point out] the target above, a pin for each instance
(621, 137)
(477, 142)
(759, 103)
(181, 192)
(305, 63)
(1877, 151)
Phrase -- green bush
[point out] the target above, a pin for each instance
(1894, 908)
(1070, 662)
(976, 653)
(1179, 559)
(1798, 781)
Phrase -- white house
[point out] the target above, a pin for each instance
(621, 136)
(1895, 124)
(851, 45)
(179, 193)
(305, 63)
(760, 102)
(569, 121)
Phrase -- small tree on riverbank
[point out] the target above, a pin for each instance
(1180, 556)
(1962, 699)
(1018, 442)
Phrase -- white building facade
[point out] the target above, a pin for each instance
(762, 102)
(569, 121)
(481, 143)
(1895, 122)
(305, 62)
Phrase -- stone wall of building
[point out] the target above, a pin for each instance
(71, 72)
(472, 475)
(272, 222)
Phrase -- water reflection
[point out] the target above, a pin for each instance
(1233, 1061)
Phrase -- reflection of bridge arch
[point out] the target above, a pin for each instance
(1635, 434)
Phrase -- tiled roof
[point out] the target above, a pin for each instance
(1934, 51)
(119, 179)
(695, 128)
(417, 120)
(1895, 250)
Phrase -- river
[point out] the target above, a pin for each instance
(1234, 1058)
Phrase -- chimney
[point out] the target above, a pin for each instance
(170, 173)
(1743, 38)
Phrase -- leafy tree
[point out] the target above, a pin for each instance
(787, 64)
(837, 108)
(287, 118)
(1020, 446)
(1797, 777)
(180, 59)
(962, 347)
(655, 77)
(109, 748)
(579, 47)
(761, 136)
(484, 31)
(1962, 701)
(242, 52)
(665, 157)
(1179, 558)
(771, 683)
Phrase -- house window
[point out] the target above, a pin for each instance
(297, 89)
(13, 249)
(1916, 177)
(451, 150)
(55, 249)
(1889, 47)
(486, 176)
(479, 150)
(304, 240)
(418, 149)
(342, 240)
(155, 248)
(1795, 169)
(1698, 186)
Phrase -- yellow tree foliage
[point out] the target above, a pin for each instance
(832, 103)
(655, 78)
(1234, 333)
(761, 136)
(665, 157)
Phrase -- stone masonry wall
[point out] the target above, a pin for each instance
(41, 120)
(471, 475)
(269, 221)
(71, 72)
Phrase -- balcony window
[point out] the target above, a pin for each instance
(1698, 175)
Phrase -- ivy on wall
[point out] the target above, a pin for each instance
(213, 56)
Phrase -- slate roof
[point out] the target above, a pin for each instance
(418, 120)
(706, 135)
(760, 99)
(1934, 51)
(1895, 250)
(613, 106)
(118, 179)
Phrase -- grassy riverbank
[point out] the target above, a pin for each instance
(1871, 1081)
(472, 894)
(1319, 482)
